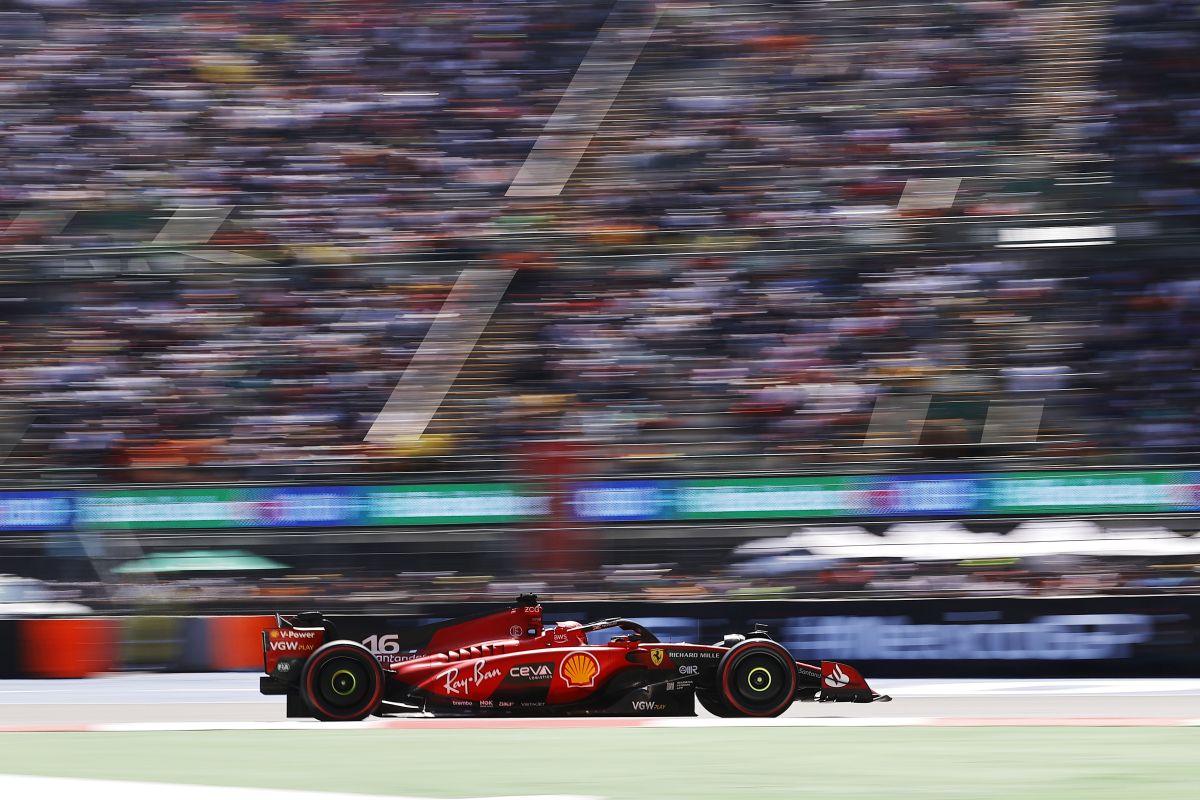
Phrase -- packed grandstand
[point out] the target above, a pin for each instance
(741, 279)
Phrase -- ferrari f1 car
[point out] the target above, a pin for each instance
(507, 663)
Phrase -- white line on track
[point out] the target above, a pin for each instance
(242, 687)
(196, 702)
(136, 688)
(467, 723)
(73, 788)
(790, 722)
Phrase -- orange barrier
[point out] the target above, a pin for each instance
(67, 648)
(236, 642)
(76, 648)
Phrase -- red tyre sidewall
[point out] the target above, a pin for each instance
(727, 694)
(332, 650)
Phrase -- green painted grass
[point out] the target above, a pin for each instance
(876, 763)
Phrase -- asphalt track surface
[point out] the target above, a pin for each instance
(197, 737)
(211, 699)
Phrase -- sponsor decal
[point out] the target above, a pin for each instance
(289, 633)
(670, 686)
(531, 673)
(286, 640)
(453, 684)
(812, 673)
(515, 631)
(579, 669)
(534, 610)
(656, 657)
(648, 705)
(382, 659)
(560, 636)
(836, 679)
(689, 669)
(386, 649)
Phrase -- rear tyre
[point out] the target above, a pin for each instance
(712, 704)
(342, 681)
(756, 678)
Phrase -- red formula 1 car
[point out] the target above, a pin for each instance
(507, 664)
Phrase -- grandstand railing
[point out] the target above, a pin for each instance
(592, 462)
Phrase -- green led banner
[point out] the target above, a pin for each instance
(1073, 492)
(460, 504)
(809, 497)
(176, 508)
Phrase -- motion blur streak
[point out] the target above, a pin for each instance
(445, 301)
(438, 360)
(592, 91)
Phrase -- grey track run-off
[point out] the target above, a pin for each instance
(234, 697)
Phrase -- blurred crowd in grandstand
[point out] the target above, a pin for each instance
(773, 568)
(347, 131)
(729, 283)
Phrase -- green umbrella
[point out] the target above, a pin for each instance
(199, 561)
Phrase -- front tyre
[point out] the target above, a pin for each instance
(756, 678)
(342, 681)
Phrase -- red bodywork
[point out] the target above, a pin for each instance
(289, 642)
(508, 663)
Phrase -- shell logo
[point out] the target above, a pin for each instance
(274, 634)
(579, 669)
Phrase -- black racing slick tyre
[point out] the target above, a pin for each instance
(756, 678)
(713, 705)
(342, 681)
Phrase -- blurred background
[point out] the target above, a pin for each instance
(369, 306)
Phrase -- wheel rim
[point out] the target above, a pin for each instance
(342, 682)
(758, 678)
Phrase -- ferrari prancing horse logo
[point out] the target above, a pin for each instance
(656, 656)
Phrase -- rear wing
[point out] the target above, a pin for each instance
(286, 647)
